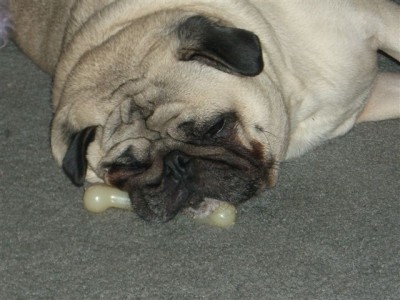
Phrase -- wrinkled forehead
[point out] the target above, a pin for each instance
(142, 135)
(128, 121)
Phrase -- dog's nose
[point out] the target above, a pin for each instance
(177, 164)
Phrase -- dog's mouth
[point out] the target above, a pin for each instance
(185, 182)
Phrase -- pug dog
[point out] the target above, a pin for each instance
(184, 100)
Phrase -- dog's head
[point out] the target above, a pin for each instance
(173, 114)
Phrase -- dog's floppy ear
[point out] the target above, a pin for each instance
(75, 163)
(228, 49)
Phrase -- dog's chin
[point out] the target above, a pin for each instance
(162, 208)
(161, 203)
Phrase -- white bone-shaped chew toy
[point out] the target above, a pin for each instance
(224, 215)
(99, 197)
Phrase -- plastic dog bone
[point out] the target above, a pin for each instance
(214, 212)
(223, 216)
(99, 197)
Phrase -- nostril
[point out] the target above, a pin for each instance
(182, 160)
(177, 164)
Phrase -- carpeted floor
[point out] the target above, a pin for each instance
(329, 230)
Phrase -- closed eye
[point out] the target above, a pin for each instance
(215, 131)
(216, 128)
(127, 162)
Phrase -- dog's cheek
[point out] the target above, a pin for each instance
(270, 176)
(95, 172)
(225, 182)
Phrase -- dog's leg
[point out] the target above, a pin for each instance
(388, 34)
(384, 101)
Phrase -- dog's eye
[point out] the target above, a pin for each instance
(127, 162)
(120, 171)
(215, 128)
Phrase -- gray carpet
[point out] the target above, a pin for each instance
(329, 230)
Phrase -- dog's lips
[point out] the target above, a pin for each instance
(163, 190)
(199, 207)
(163, 202)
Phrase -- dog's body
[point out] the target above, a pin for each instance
(175, 101)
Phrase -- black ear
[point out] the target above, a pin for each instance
(228, 49)
(75, 162)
